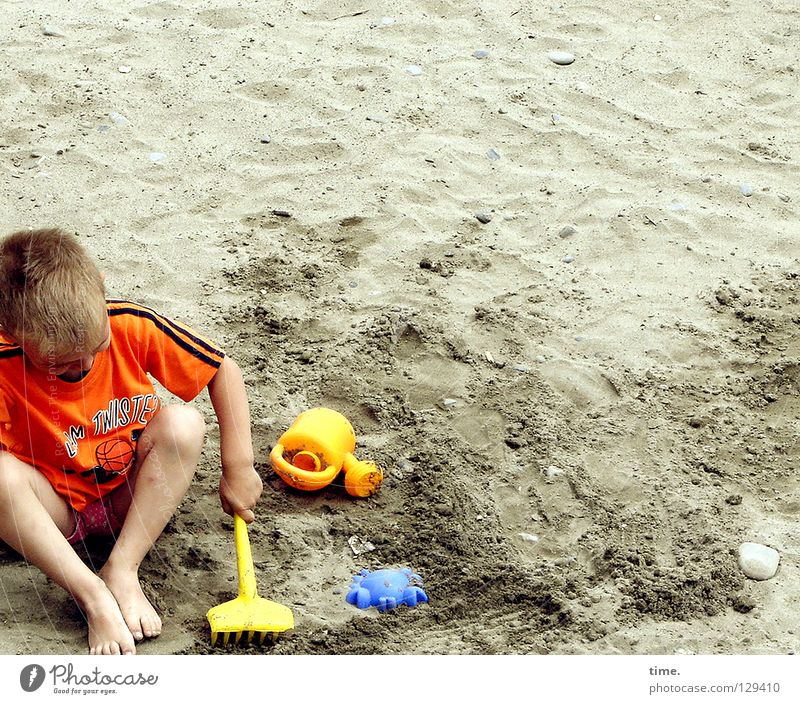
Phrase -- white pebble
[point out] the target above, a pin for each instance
(562, 58)
(657, 18)
(124, 69)
(50, 30)
(118, 119)
(677, 207)
(758, 561)
(413, 70)
(746, 190)
(568, 259)
(552, 471)
(386, 21)
(157, 157)
(493, 155)
(480, 53)
(530, 537)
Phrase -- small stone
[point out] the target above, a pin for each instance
(157, 157)
(568, 259)
(485, 218)
(758, 561)
(529, 537)
(50, 30)
(567, 231)
(124, 69)
(677, 207)
(359, 545)
(706, 179)
(282, 213)
(746, 190)
(540, 358)
(386, 21)
(734, 500)
(522, 368)
(784, 197)
(562, 58)
(493, 155)
(448, 402)
(117, 119)
(377, 118)
(742, 603)
(552, 471)
(413, 70)
(480, 54)
(657, 18)
(555, 118)
(266, 139)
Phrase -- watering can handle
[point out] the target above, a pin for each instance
(244, 558)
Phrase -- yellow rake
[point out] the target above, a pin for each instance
(248, 613)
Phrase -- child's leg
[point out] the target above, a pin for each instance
(33, 521)
(166, 459)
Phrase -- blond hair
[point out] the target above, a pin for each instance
(52, 296)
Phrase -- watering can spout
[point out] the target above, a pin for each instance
(361, 478)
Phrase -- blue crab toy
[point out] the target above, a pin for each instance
(386, 589)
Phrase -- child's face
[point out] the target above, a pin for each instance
(71, 366)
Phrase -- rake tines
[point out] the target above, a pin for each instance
(243, 638)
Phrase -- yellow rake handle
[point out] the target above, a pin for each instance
(244, 558)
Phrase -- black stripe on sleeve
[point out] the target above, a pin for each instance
(154, 318)
(193, 338)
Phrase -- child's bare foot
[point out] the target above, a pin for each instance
(108, 632)
(138, 612)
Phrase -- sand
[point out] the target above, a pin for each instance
(652, 355)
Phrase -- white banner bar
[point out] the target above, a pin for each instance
(401, 679)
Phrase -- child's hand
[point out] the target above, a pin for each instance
(239, 492)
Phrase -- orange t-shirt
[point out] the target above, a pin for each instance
(82, 435)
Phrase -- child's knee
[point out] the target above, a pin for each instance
(182, 426)
(14, 474)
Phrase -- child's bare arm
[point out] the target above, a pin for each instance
(240, 486)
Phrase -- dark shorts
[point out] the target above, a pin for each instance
(97, 518)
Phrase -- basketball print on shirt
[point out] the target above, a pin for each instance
(114, 458)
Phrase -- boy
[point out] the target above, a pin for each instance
(86, 447)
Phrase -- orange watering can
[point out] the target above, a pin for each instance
(316, 447)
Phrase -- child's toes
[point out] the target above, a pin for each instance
(151, 627)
